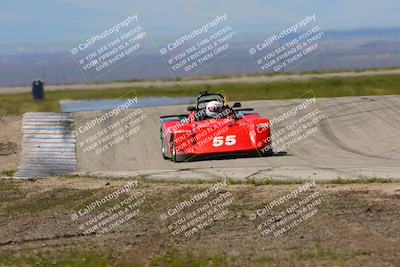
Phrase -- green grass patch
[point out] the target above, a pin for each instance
(172, 258)
(8, 173)
(321, 87)
(175, 258)
(270, 181)
(339, 181)
(329, 255)
(65, 258)
(265, 260)
(259, 182)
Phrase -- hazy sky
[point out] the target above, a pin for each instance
(65, 21)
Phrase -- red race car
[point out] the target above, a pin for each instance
(211, 128)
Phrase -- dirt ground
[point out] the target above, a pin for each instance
(10, 140)
(356, 225)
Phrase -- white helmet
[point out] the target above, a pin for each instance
(214, 108)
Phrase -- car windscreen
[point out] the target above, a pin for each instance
(203, 100)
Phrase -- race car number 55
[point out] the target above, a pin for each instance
(230, 140)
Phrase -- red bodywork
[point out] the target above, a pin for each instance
(184, 138)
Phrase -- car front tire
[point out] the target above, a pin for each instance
(174, 156)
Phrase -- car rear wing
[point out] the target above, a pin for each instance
(164, 119)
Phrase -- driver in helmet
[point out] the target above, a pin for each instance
(216, 109)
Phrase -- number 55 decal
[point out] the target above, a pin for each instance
(230, 140)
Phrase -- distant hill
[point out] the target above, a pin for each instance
(361, 48)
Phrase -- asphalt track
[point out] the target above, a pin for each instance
(359, 137)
